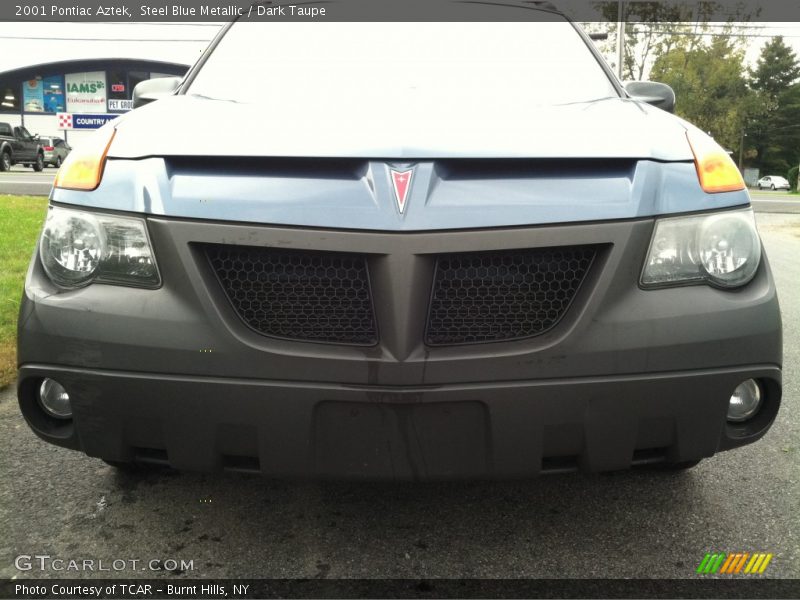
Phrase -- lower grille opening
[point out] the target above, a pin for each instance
(156, 456)
(247, 464)
(512, 294)
(559, 464)
(298, 294)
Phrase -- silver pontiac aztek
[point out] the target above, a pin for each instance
(400, 250)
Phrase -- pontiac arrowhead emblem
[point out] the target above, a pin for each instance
(401, 181)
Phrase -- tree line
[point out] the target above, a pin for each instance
(754, 112)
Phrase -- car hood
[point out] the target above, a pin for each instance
(196, 126)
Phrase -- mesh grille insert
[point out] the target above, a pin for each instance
(505, 295)
(298, 294)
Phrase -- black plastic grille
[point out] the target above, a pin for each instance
(493, 296)
(298, 294)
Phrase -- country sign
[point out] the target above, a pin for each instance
(72, 121)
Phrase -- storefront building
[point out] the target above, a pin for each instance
(69, 99)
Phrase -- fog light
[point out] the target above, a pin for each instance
(54, 399)
(745, 401)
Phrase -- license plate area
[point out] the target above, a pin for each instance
(439, 440)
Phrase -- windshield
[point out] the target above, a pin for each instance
(361, 69)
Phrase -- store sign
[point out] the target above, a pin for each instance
(86, 92)
(70, 121)
(120, 105)
(32, 95)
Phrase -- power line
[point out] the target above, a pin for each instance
(734, 24)
(129, 23)
(217, 25)
(711, 34)
(82, 39)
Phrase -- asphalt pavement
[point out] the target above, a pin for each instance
(22, 180)
(637, 524)
(774, 202)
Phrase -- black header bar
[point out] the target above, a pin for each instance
(233, 589)
(85, 11)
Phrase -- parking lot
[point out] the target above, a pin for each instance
(638, 524)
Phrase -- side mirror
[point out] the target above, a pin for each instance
(153, 89)
(657, 94)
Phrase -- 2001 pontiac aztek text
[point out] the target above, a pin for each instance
(400, 250)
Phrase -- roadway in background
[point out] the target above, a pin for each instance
(25, 181)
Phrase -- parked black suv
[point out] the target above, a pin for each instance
(19, 146)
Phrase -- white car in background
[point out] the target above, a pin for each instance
(773, 182)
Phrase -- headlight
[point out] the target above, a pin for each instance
(71, 247)
(722, 248)
(79, 247)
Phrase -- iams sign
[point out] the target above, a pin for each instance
(85, 88)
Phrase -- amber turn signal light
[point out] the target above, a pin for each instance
(83, 167)
(715, 167)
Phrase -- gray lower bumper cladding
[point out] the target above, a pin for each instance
(500, 430)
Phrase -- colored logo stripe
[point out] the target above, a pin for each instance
(758, 564)
(732, 558)
(711, 563)
(704, 564)
(734, 563)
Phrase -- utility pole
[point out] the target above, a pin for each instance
(741, 151)
(620, 37)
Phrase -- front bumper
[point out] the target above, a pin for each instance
(628, 376)
(501, 430)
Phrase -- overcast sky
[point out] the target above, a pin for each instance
(26, 44)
